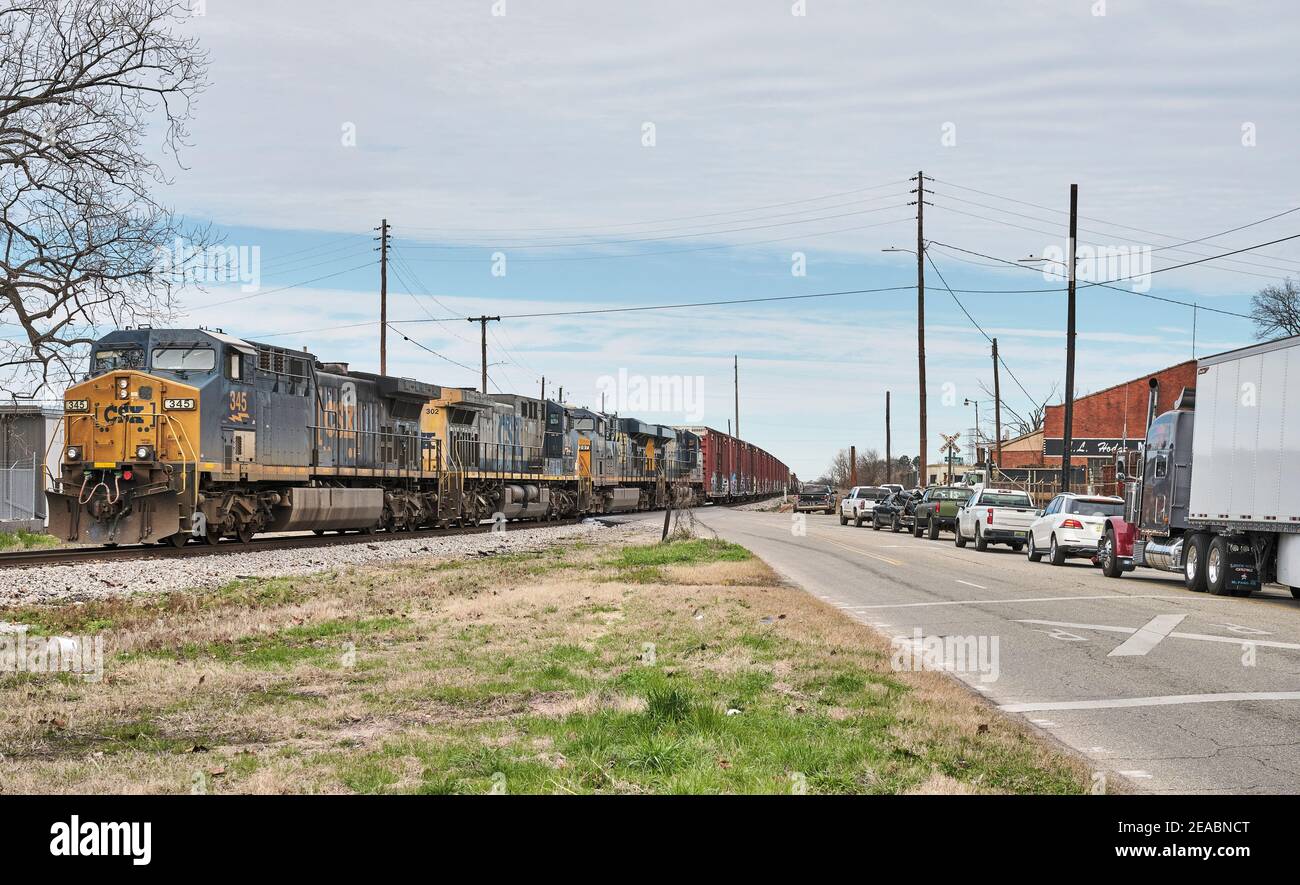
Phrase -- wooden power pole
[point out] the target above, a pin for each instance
(997, 410)
(1068, 441)
(483, 321)
(383, 297)
(736, 369)
(853, 466)
(889, 457)
(920, 312)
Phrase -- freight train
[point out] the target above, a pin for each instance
(191, 433)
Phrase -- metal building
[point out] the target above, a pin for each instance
(30, 444)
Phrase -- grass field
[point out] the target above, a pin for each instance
(679, 668)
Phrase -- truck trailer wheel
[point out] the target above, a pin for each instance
(1216, 567)
(1194, 558)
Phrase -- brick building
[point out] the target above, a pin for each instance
(1104, 419)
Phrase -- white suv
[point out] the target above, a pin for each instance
(1071, 525)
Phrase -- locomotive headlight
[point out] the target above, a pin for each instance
(144, 453)
(121, 388)
(73, 453)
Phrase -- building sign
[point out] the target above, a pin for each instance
(1089, 447)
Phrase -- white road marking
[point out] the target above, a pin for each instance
(1156, 701)
(1148, 636)
(1111, 596)
(1136, 773)
(969, 584)
(1203, 637)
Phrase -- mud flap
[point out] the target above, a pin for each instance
(150, 518)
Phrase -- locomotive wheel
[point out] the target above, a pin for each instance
(245, 534)
(180, 539)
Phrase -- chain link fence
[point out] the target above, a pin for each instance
(21, 498)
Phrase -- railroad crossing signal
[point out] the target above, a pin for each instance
(950, 442)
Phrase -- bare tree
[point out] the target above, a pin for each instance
(81, 233)
(1276, 310)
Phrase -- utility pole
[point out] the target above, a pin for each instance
(383, 297)
(889, 457)
(736, 367)
(561, 396)
(997, 411)
(920, 308)
(483, 321)
(543, 387)
(1069, 346)
(853, 466)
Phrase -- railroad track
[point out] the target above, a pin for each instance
(73, 555)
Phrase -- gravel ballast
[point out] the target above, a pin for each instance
(97, 580)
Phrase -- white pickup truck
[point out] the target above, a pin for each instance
(995, 516)
(858, 504)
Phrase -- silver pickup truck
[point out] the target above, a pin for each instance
(995, 516)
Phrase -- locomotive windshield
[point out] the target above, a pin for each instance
(184, 359)
(112, 359)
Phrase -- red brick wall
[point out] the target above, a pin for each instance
(1102, 414)
(1022, 458)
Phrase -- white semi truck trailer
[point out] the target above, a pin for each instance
(1218, 498)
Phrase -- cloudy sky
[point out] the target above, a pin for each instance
(618, 154)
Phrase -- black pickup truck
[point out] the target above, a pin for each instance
(815, 498)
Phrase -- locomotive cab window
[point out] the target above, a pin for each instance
(234, 365)
(112, 359)
(1162, 465)
(184, 359)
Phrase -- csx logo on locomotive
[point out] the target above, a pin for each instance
(123, 414)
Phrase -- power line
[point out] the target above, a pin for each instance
(626, 240)
(560, 313)
(1105, 285)
(656, 254)
(440, 356)
(1003, 362)
(280, 289)
(1170, 247)
(688, 217)
(453, 242)
(1113, 223)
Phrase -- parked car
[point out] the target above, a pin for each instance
(859, 502)
(1071, 525)
(938, 510)
(815, 497)
(995, 516)
(896, 511)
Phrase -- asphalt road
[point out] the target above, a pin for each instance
(1171, 691)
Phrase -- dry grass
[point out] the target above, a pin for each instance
(531, 673)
